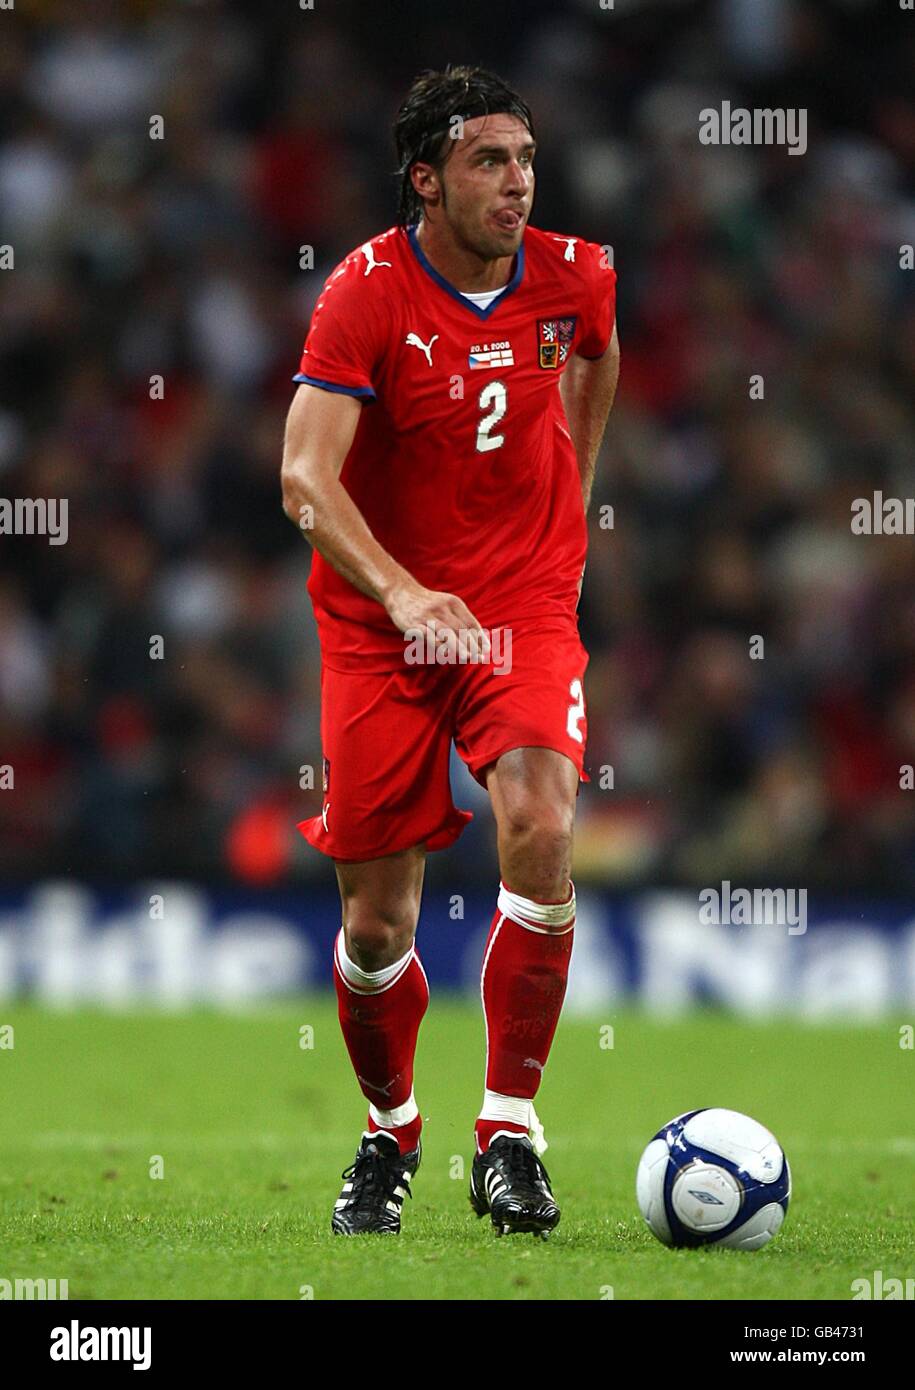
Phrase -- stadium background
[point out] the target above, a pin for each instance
(179, 258)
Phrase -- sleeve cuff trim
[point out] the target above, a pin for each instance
(363, 392)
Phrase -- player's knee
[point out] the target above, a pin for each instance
(377, 935)
(540, 830)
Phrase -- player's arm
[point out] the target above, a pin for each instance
(587, 389)
(320, 429)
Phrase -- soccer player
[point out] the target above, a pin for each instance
(454, 387)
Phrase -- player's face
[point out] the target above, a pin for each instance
(488, 185)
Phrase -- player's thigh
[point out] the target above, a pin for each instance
(532, 706)
(533, 793)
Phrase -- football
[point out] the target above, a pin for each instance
(714, 1177)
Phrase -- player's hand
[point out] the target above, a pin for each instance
(412, 609)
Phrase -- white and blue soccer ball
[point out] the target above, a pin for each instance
(714, 1177)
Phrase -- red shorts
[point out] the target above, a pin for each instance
(386, 738)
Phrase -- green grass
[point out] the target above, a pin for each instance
(253, 1133)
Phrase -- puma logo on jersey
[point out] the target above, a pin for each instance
(324, 812)
(412, 340)
(570, 246)
(371, 264)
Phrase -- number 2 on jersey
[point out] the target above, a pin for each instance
(493, 394)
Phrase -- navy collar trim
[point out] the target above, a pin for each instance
(440, 280)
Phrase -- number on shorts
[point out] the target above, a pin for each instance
(576, 711)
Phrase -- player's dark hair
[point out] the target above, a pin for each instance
(424, 122)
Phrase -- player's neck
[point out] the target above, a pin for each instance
(466, 271)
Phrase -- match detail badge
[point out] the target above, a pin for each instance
(490, 355)
(554, 338)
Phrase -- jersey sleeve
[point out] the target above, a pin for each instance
(344, 345)
(600, 313)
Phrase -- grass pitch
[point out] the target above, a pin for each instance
(251, 1133)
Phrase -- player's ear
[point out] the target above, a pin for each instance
(426, 182)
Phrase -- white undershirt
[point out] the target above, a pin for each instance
(483, 298)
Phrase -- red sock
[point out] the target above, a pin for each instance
(380, 1015)
(523, 984)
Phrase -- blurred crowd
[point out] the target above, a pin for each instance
(159, 679)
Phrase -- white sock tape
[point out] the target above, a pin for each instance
(368, 981)
(525, 911)
(400, 1115)
(514, 1110)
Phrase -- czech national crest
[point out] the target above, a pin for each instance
(554, 338)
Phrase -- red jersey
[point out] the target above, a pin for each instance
(462, 463)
